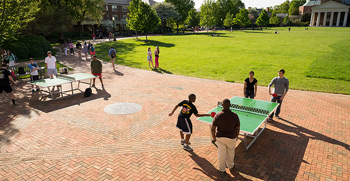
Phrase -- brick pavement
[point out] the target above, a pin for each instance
(73, 139)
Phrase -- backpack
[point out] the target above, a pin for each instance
(21, 70)
(92, 49)
(113, 54)
(87, 92)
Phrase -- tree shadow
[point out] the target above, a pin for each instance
(161, 71)
(155, 43)
(257, 31)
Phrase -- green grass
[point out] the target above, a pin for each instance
(316, 59)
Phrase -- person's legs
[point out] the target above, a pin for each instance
(182, 135)
(221, 154)
(230, 152)
(187, 140)
(101, 81)
(156, 62)
(278, 110)
(65, 52)
(93, 81)
(112, 60)
(274, 99)
(152, 63)
(79, 53)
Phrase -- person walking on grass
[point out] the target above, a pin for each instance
(225, 131)
(34, 75)
(79, 49)
(96, 69)
(281, 84)
(149, 58)
(112, 54)
(250, 86)
(183, 121)
(156, 55)
(71, 48)
(5, 78)
(85, 49)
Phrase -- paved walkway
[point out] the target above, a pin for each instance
(74, 139)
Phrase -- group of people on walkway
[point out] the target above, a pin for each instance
(226, 124)
(80, 47)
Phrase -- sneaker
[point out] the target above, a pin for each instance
(187, 148)
(222, 172)
(183, 142)
(269, 119)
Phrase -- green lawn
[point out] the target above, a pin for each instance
(317, 59)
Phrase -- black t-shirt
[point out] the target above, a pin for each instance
(78, 46)
(250, 85)
(187, 109)
(4, 76)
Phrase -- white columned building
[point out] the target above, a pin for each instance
(338, 14)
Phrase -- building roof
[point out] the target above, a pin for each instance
(282, 15)
(125, 2)
(312, 3)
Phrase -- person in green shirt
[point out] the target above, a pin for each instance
(96, 69)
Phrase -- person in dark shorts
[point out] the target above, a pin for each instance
(183, 122)
(250, 86)
(34, 74)
(96, 69)
(5, 78)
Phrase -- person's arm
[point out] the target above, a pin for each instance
(285, 91)
(213, 131)
(11, 79)
(237, 129)
(172, 112)
(201, 115)
(256, 89)
(271, 83)
(244, 87)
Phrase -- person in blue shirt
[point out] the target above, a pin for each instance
(34, 75)
(112, 53)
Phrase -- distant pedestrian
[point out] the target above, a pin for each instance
(250, 86)
(149, 58)
(34, 74)
(71, 48)
(5, 78)
(109, 36)
(11, 59)
(281, 84)
(92, 50)
(93, 36)
(79, 49)
(96, 69)
(289, 29)
(85, 50)
(225, 131)
(156, 55)
(65, 48)
(112, 54)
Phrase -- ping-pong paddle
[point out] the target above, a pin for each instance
(274, 95)
(212, 114)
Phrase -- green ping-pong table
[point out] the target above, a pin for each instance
(253, 115)
(59, 81)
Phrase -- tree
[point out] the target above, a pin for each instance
(286, 20)
(274, 20)
(294, 6)
(193, 18)
(15, 15)
(227, 6)
(82, 10)
(133, 16)
(228, 22)
(263, 19)
(306, 17)
(148, 18)
(182, 7)
(242, 18)
(207, 14)
(165, 11)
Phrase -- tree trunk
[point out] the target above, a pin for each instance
(177, 24)
(146, 35)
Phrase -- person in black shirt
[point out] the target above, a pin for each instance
(5, 78)
(250, 86)
(183, 122)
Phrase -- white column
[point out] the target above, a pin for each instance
(331, 22)
(338, 19)
(346, 18)
(325, 18)
(312, 19)
(318, 19)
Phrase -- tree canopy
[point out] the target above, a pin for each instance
(192, 19)
(228, 22)
(227, 6)
(242, 18)
(263, 19)
(274, 20)
(207, 14)
(165, 11)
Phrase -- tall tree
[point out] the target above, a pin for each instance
(294, 6)
(242, 18)
(274, 20)
(263, 19)
(165, 11)
(228, 6)
(193, 18)
(282, 8)
(15, 15)
(228, 22)
(207, 14)
(133, 16)
(286, 20)
(182, 7)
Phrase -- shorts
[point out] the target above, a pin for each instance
(99, 75)
(92, 53)
(34, 77)
(185, 125)
(6, 88)
(51, 72)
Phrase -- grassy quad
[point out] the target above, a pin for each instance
(317, 59)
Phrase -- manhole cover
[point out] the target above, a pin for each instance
(123, 108)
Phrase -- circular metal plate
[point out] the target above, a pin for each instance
(123, 108)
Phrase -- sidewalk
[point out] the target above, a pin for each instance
(74, 139)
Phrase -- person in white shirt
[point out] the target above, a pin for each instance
(51, 65)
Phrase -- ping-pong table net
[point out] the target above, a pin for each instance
(247, 109)
(66, 77)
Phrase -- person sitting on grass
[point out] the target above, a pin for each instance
(96, 69)
(183, 121)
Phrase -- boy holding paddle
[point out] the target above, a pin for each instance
(281, 88)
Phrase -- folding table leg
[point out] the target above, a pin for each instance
(71, 86)
(50, 93)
